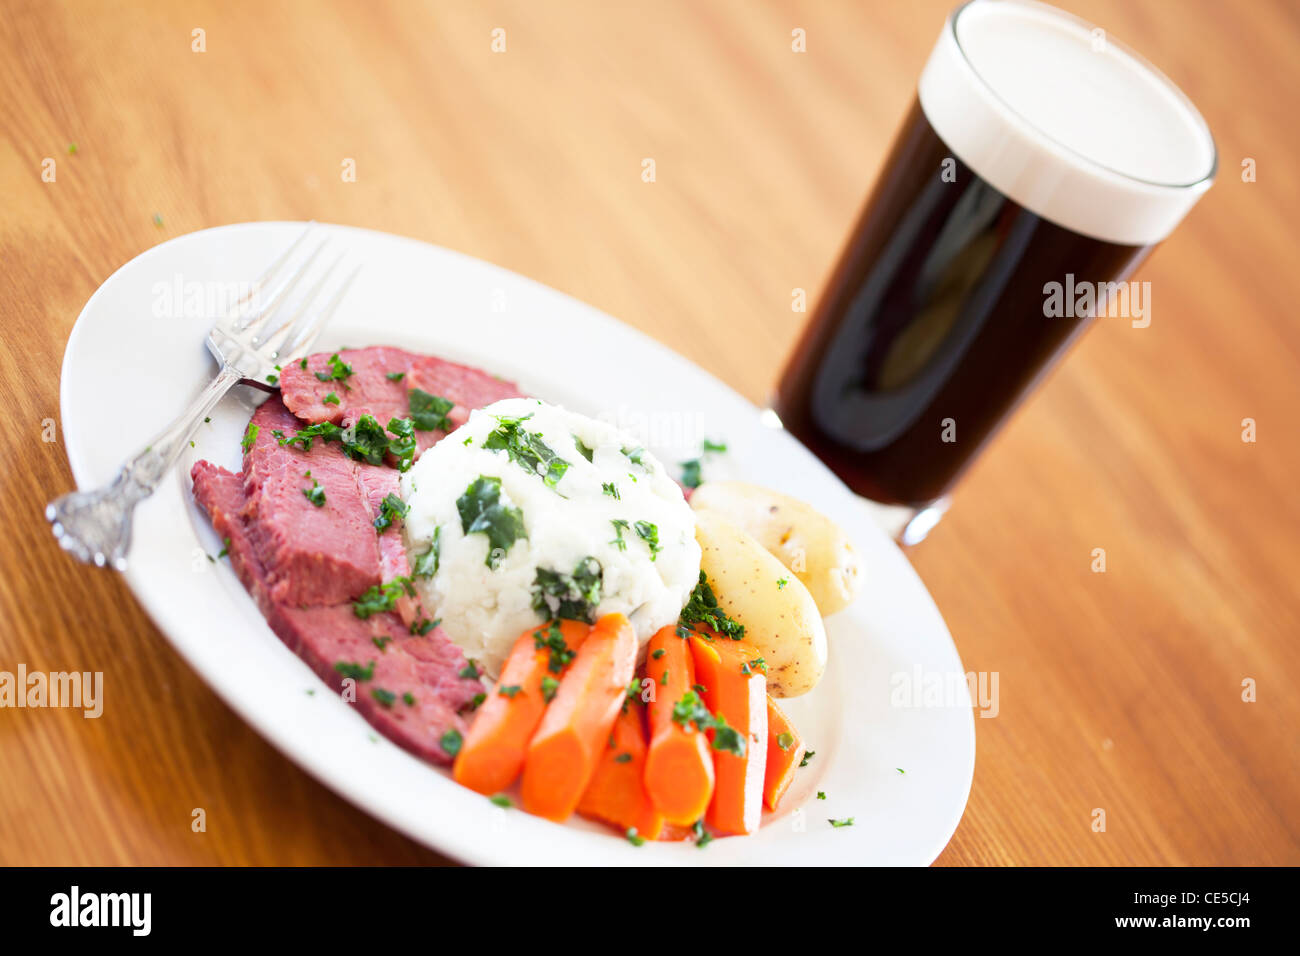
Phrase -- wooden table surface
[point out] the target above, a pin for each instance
(1119, 690)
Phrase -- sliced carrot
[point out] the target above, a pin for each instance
(735, 692)
(493, 752)
(785, 750)
(679, 765)
(563, 753)
(616, 793)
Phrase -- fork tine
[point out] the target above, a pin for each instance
(253, 325)
(312, 330)
(260, 282)
(279, 340)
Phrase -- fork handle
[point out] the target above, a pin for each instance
(95, 526)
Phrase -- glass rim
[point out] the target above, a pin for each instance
(1125, 49)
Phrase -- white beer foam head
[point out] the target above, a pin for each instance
(1066, 122)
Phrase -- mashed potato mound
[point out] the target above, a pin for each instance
(529, 510)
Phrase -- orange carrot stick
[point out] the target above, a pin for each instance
(563, 752)
(735, 692)
(785, 750)
(493, 752)
(616, 793)
(679, 765)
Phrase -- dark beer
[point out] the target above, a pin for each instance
(933, 325)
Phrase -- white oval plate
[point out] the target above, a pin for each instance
(902, 771)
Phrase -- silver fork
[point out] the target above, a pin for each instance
(249, 344)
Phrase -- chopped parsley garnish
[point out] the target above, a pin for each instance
(501, 800)
(385, 697)
(366, 440)
(703, 608)
(355, 670)
(759, 664)
(408, 699)
(702, 837)
(382, 597)
(337, 370)
(395, 376)
(900, 770)
(390, 508)
(619, 527)
(331, 399)
(549, 686)
(426, 564)
(250, 436)
(451, 742)
(714, 446)
(225, 550)
(303, 364)
(623, 758)
(470, 669)
(572, 597)
(727, 738)
(659, 653)
(821, 794)
(691, 473)
(610, 489)
(785, 741)
(482, 512)
(423, 626)
(527, 449)
(315, 494)
(781, 583)
(583, 449)
(807, 755)
(509, 690)
(475, 701)
(633, 837)
(649, 533)
(690, 709)
(846, 822)
(381, 643)
(429, 412)
(273, 379)
(552, 639)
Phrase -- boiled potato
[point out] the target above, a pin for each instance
(780, 616)
(802, 538)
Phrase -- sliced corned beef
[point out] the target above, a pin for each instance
(427, 668)
(312, 555)
(370, 391)
(378, 484)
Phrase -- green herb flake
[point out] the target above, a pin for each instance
(390, 509)
(691, 476)
(551, 639)
(331, 399)
(702, 836)
(337, 370)
(821, 794)
(354, 670)
(408, 699)
(315, 494)
(426, 563)
(382, 597)
(395, 376)
(429, 412)
(381, 642)
(501, 800)
(610, 489)
(659, 653)
(785, 741)
(623, 758)
(385, 697)
(807, 756)
(549, 687)
(572, 597)
(509, 690)
(451, 741)
(650, 534)
(633, 837)
(781, 583)
(250, 436)
(846, 822)
(527, 449)
(470, 669)
(619, 527)
(583, 449)
(702, 608)
(482, 512)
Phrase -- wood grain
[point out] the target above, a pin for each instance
(1119, 691)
